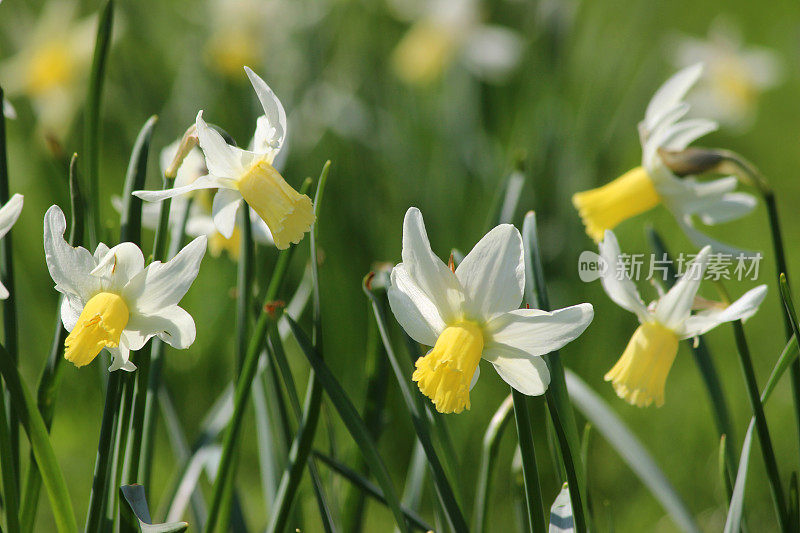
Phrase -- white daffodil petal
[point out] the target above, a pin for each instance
(492, 275)
(163, 285)
(413, 309)
(69, 267)
(475, 377)
(226, 204)
(683, 133)
(71, 307)
(9, 213)
(700, 239)
(220, 159)
(741, 309)
(119, 265)
(615, 280)
(526, 374)
(273, 110)
(203, 182)
(676, 306)
(4, 294)
(428, 271)
(492, 52)
(120, 359)
(671, 93)
(731, 206)
(536, 332)
(172, 324)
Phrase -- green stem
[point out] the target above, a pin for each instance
(530, 472)
(10, 490)
(762, 429)
(491, 446)
(244, 284)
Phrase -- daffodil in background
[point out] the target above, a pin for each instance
(472, 312)
(652, 183)
(9, 214)
(640, 375)
(735, 75)
(243, 174)
(112, 301)
(444, 31)
(51, 65)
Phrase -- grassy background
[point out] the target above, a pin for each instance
(569, 111)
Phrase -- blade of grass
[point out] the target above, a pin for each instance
(366, 486)
(10, 490)
(349, 415)
(34, 426)
(630, 449)
(490, 448)
(91, 134)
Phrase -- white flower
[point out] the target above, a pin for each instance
(735, 74)
(472, 313)
(641, 373)
(645, 187)
(112, 301)
(51, 65)
(9, 214)
(249, 175)
(446, 30)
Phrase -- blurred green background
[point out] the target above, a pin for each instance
(567, 111)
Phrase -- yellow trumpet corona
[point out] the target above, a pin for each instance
(100, 325)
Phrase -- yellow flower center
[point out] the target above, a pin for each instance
(731, 81)
(444, 375)
(51, 66)
(217, 243)
(605, 207)
(423, 53)
(288, 214)
(229, 51)
(640, 374)
(99, 326)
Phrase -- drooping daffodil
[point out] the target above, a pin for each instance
(640, 375)
(447, 30)
(9, 214)
(736, 74)
(472, 312)
(652, 183)
(244, 174)
(111, 300)
(51, 65)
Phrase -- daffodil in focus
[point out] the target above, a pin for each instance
(249, 174)
(446, 30)
(472, 312)
(51, 65)
(640, 375)
(112, 301)
(652, 183)
(735, 75)
(9, 214)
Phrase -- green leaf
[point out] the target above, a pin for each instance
(630, 449)
(491, 446)
(137, 502)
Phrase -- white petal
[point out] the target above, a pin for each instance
(741, 309)
(172, 324)
(4, 294)
(492, 52)
(492, 275)
(118, 266)
(534, 332)
(429, 273)
(676, 306)
(731, 206)
(221, 159)
(273, 110)
(527, 374)
(226, 204)
(699, 238)
(163, 285)
(413, 309)
(9, 213)
(615, 279)
(71, 307)
(671, 93)
(120, 359)
(69, 267)
(204, 182)
(684, 133)
(475, 377)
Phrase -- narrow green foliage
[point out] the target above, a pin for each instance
(489, 450)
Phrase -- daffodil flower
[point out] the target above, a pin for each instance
(736, 74)
(472, 312)
(652, 183)
(112, 301)
(51, 64)
(640, 375)
(445, 30)
(249, 175)
(9, 214)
